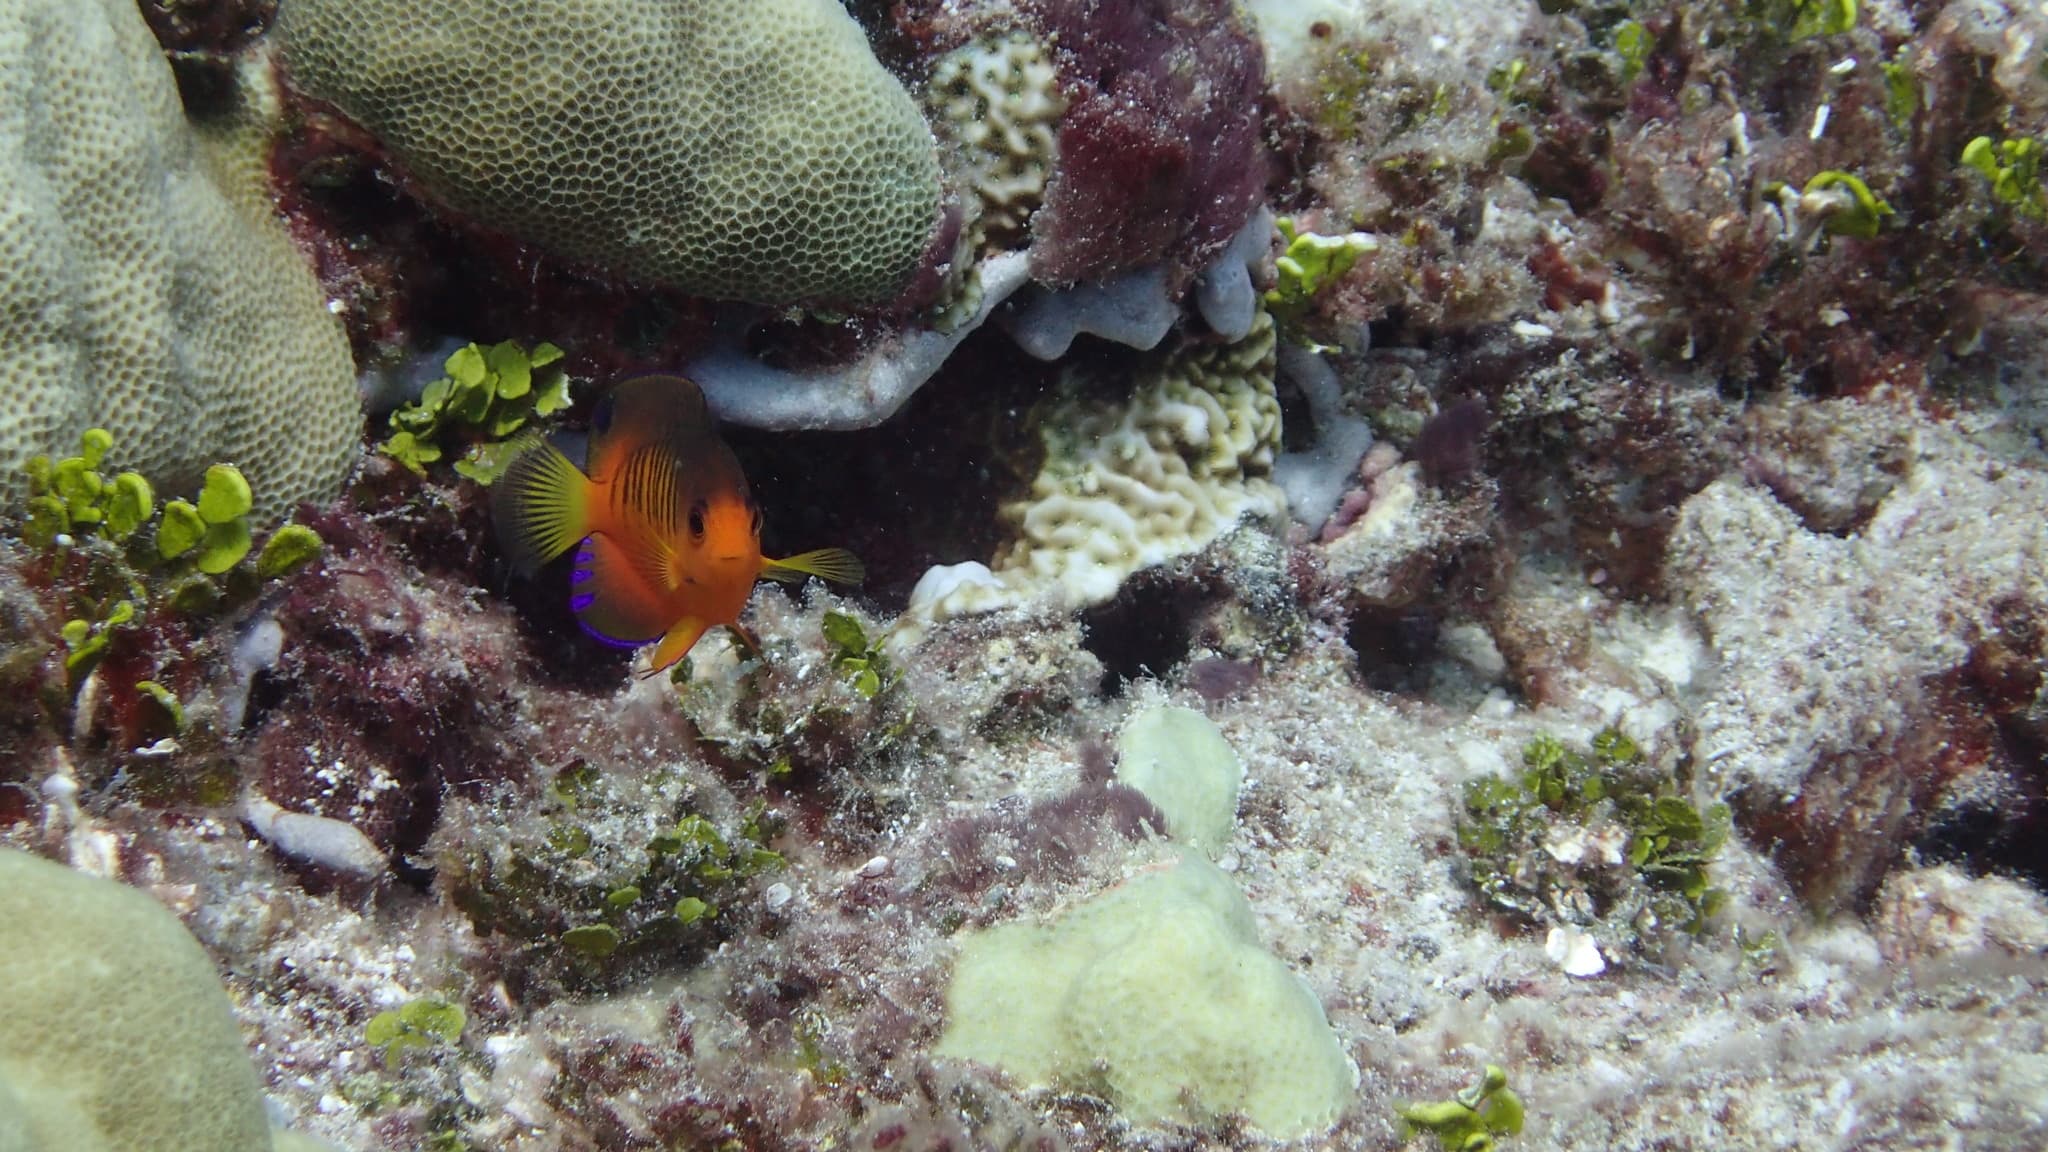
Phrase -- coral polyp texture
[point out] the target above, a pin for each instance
(736, 149)
(144, 286)
(996, 101)
(1133, 482)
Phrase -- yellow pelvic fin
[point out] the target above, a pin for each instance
(681, 637)
(540, 506)
(834, 564)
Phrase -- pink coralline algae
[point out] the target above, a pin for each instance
(1160, 149)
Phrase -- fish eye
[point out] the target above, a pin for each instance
(697, 520)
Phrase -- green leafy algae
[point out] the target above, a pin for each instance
(485, 401)
(1469, 1121)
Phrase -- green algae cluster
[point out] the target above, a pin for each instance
(783, 721)
(1309, 263)
(1470, 1120)
(90, 525)
(610, 871)
(2013, 168)
(855, 655)
(479, 408)
(423, 1023)
(1596, 839)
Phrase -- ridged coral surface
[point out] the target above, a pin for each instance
(997, 101)
(1126, 486)
(739, 150)
(138, 291)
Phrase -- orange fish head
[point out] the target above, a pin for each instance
(722, 539)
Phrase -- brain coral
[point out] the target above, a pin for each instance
(1125, 486)
(144, 287)
(996, 101)
(739, 149)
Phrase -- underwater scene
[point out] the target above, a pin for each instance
(1023, 575)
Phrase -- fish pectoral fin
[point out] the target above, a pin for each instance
(681, 637)
(834, 564)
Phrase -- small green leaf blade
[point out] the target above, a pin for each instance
(180, 530)
(225, 496)
(289, 548)
(223, 547)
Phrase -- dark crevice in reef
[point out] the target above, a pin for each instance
(1995, 834)
(1996, 820)
(1394, 647)
(1147, 630)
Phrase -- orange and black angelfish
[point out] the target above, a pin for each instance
(667, 538)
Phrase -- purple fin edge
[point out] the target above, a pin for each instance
(578, 601)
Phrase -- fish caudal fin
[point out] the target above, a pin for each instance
(540, 506)
(676, 644)
(834, 564)
(611, 599)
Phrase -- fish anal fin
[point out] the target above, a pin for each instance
(675, 645)
(612, 599)
(834, 564)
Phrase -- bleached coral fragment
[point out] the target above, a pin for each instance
(1574, 952)
(319, 840)
(1125, 487)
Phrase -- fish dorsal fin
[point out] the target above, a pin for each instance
(666, 410)
(658, 455)
(834, 564)
(613, 598)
